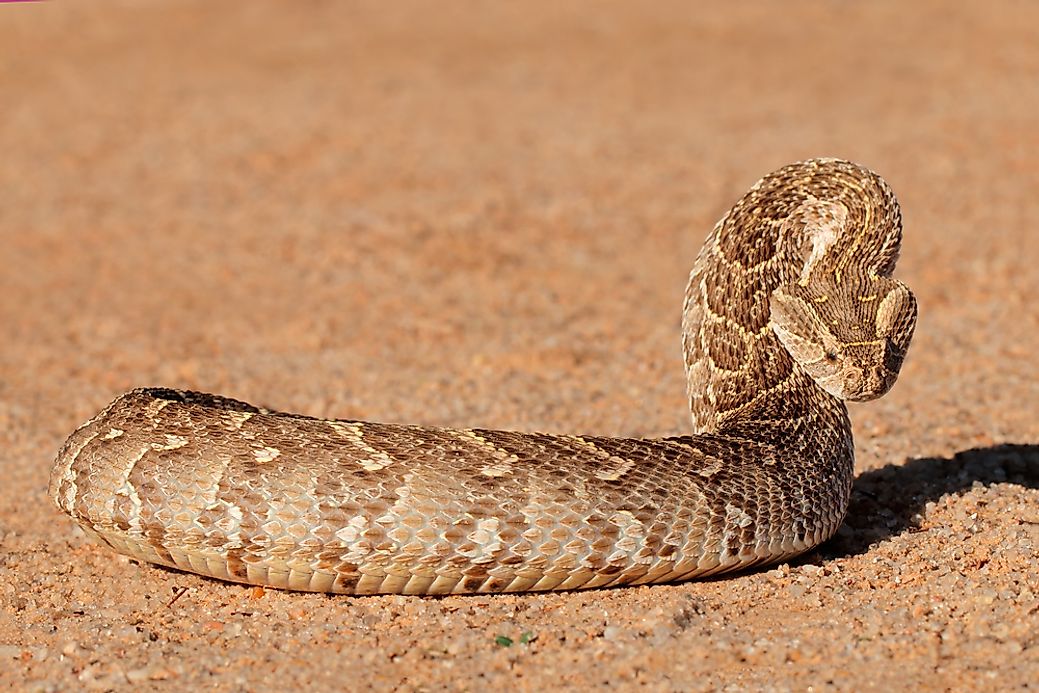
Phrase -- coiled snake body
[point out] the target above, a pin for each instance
(790, 309)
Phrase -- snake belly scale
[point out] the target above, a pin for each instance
(790, 310)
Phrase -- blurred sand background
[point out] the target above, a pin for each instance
(484, 214)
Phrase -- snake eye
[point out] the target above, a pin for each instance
(830, 356)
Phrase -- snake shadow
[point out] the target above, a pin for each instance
(891, 500)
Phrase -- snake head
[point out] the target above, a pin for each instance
(850, 334)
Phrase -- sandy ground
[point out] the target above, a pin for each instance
(479, 216)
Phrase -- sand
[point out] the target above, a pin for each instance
(484, 214)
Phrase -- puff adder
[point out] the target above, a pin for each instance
(790, 310)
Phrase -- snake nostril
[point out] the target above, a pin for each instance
(877, 381)
(893, 357)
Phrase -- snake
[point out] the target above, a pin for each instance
(791, 310)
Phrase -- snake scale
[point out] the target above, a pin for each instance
(790, 310)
